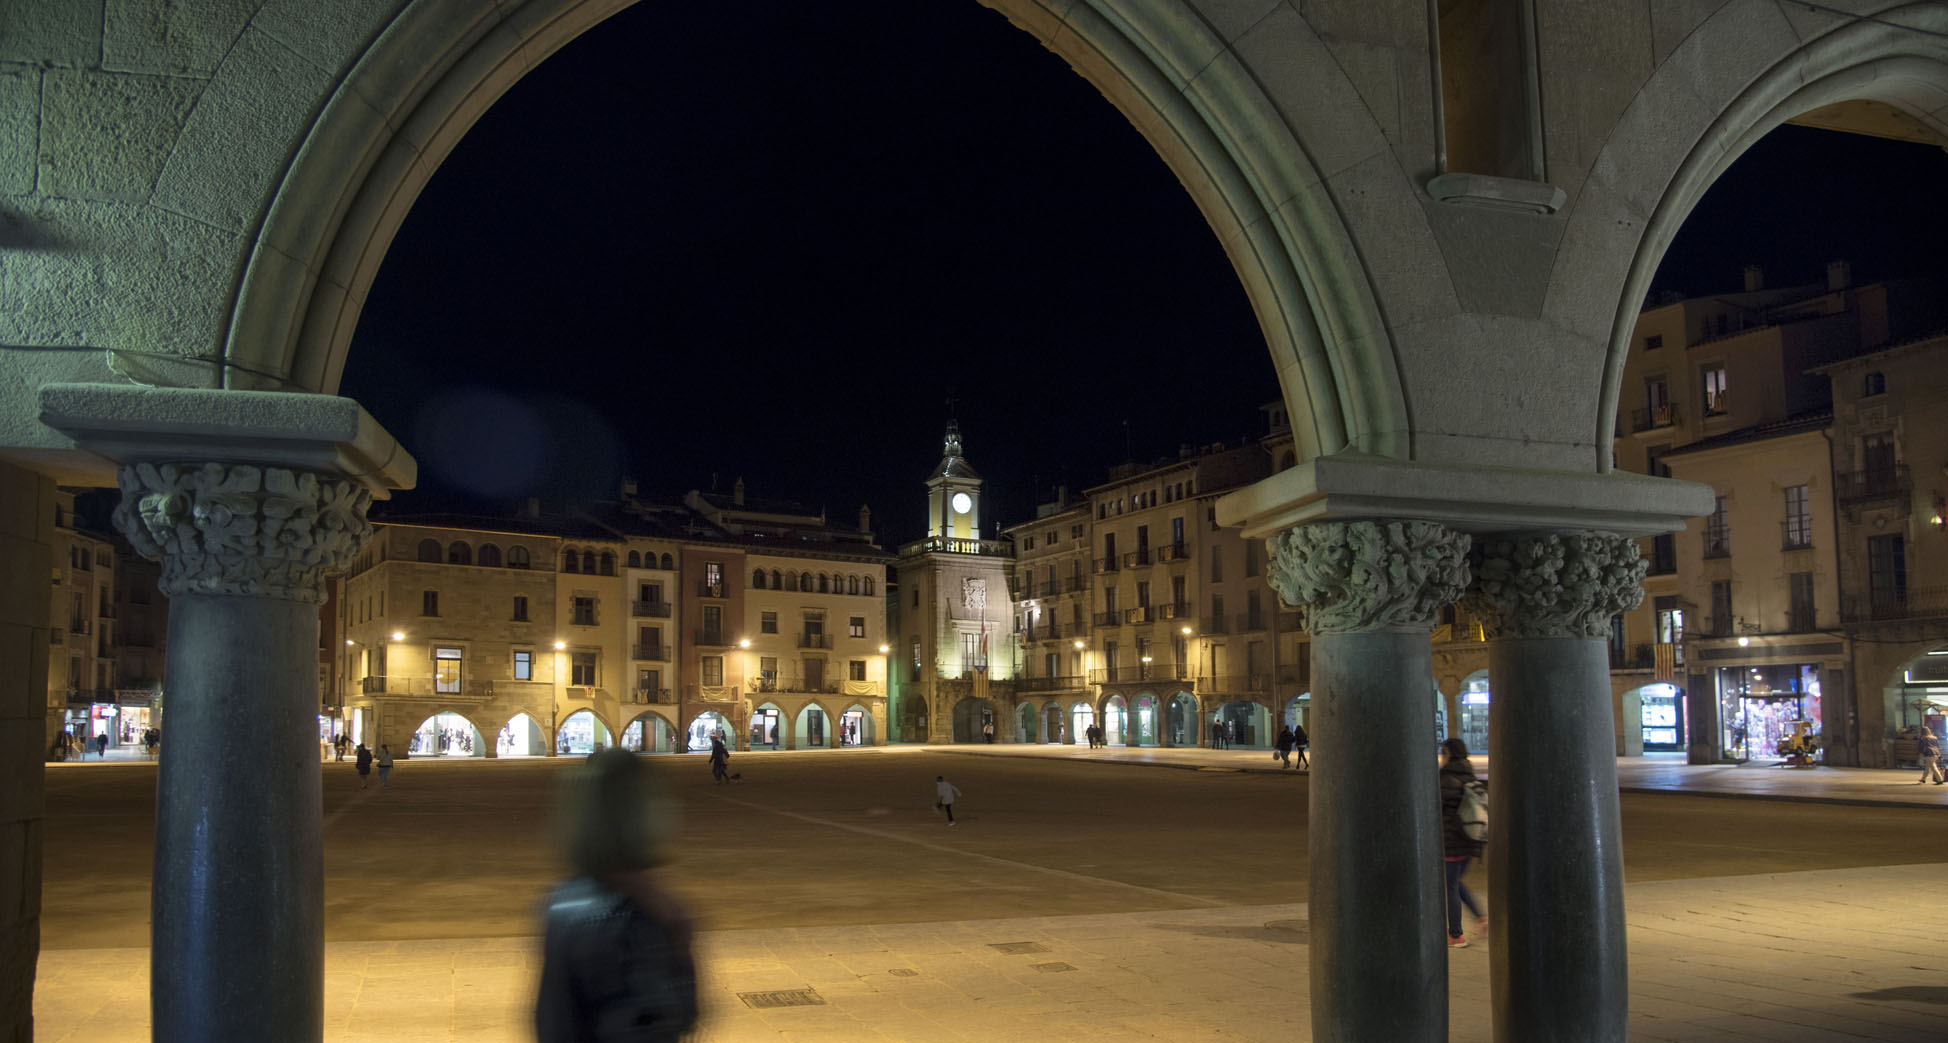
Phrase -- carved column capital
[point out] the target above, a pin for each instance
(242, 530)
(1564, 584)
(1367, 575)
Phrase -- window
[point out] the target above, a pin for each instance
(915, 674)
(458, 553)
(517, 557)
(1799, 519)
(1718, 535)
(635, 559)
(1028, 543)
(1217, 614)
(608, 563)
(713, 623)
(1075, 532)
(1251, 557)
(581, 669)
(429, 602)
(1721, 607)
(571, 561)
(713, 574)
(824, 583)
(1109, 600)
(767, 622)
(429, 550)
(1801, 615)
(648, 681)
(524, 666)
(1619, 640)
(916, 597)
(1142, 593)
(713, 671)
(1177, 532)
(1254, 615)
(852, 584)
(866, 586)
(520, 608)
(1887, 574)
(446, 670)
(791, 582)
(777, 580)
(856, 670)
(858, 626)
(768, 673)
(757, 579)
(1217, 565)
(1713, 378)
(667, 563)
(588, 562)
(490, 555)
(1653, 342)
(1873, 384)
(583, 612)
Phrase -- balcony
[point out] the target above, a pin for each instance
(1717, 544)
(1250, 622)
(707, 589)
(1105, 565)
(1796, 534)
(1718, 404)
(1904, 603)
(1663, 555)
(1136, 558)
(1236, 683)
(1140, 614)
(650, 609)
(1173, 552)
(1295, 673)
(1109, 619)
(658, 653)
(1879, 483)
(952, 545)
(815, 641)
(1177, 610)
(712, 639)
(1050, 684)
(1653, 418)
(659, 696)
(1215, 625)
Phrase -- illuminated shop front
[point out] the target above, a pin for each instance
(1757, 705)
(1663, 716)
(1474, 711)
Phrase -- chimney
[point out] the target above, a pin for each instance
(737, 492)
(865, 519)
(1754, 278)
(1061, 497)
(1839, 275)
(628, 487)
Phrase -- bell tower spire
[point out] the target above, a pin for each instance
(953, 492)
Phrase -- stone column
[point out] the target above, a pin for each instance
(238, 891)
(1555, 860)
(1372, 591)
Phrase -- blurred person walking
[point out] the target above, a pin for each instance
(616, 960)
(1928, 752)
(719, 759)
(384, 761)
(362, 760)
(1457, 847)
(1282, 748)
(944, 800)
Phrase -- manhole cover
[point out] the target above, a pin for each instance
(1018, 948)
(1052, 968)
(902, 972)
(786, 998)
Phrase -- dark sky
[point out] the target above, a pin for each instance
(687, 247)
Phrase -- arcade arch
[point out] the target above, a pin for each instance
(856, 727)
(583, 733)
(522, 736)
(446, 734)
(1180, 720)
(649, 732)
(971, 716)
(707, 726)
(1082, 717)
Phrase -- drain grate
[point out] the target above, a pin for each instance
(785, 998)
(1018, 948)
(1052, 968)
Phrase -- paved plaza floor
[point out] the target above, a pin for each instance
(1830, 954)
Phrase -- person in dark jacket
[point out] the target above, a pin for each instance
(1300, 740)
(1283, 747)
(1457, 848)
(362, 760)
(616, 961)
(719, 759)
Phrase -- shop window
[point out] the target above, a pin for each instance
(446, 671)
(583, 612)
(524, 666)
(429, 602)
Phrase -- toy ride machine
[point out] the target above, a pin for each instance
(1801, 747)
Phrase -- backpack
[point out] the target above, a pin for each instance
(1473, 811)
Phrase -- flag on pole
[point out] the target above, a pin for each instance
(981, 664)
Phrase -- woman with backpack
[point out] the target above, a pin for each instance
(1458, 847)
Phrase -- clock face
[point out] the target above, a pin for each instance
(962, 504)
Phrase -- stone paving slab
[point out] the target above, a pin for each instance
(1850, 954)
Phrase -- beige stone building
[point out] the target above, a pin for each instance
(1889, 447)
(82, 689)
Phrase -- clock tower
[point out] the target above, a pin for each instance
(953, 616)
(953, 493)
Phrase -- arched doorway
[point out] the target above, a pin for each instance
(767, 727)
(522, 736)
(581, 734)
(1082, 717)
(971, 716)
(446, 735)
(705, 727)
(856, 727)
(1244, 724)
(1146, 718)
(1297, 710)
(1026, 719)
(649, 733)
(813, 730)
(1116, 721)
(1180, 720)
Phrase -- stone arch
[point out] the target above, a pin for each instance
(651, 731)
(1239, 135)
(810, 733)
(523, 736)
(1737, 76)
(459, 553)
(490, 555)
(635, 559)
(437, 736)
(857, 730)
(571, 738)
(429, 550)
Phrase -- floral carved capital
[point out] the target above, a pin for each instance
(1555, 584)
(242, 530)
(1360, 576)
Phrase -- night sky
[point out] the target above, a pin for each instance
(684, 248)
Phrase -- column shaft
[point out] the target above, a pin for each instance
(237, 921)
(1555, 858)
(1378, 961)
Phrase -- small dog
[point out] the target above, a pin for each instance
(737, 776)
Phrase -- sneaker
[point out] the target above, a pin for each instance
(1457, 942)
(1481, 924)
(953, 823)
